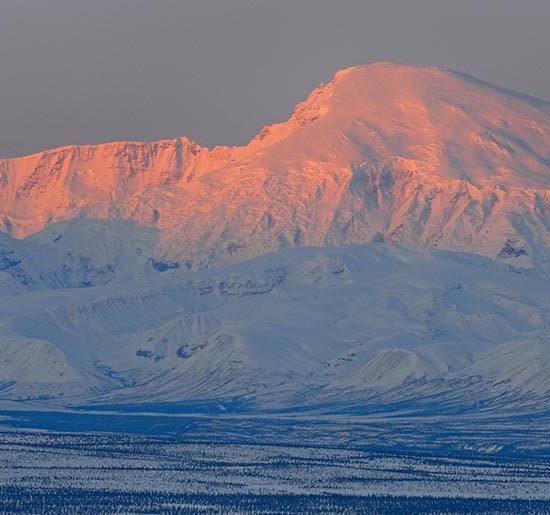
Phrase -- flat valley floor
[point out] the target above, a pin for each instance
(111, 463)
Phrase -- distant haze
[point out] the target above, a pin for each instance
(217, 71)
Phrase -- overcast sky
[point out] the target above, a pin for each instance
(88, 71)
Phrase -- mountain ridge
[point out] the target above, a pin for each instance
(422, 156)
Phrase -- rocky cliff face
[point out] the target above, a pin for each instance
(383, 152)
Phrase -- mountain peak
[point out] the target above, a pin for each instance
(429, 118)
(382, 151)
(349, 92)
(388, 67)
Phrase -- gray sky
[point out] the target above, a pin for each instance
(88, 71)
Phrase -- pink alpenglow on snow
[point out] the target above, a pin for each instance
(423, 156)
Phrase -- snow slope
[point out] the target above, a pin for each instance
(109, 294)
(421, 156)
(373, 327)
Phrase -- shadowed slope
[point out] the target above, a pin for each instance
(382, 327)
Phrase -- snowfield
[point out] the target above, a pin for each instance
(380, 327)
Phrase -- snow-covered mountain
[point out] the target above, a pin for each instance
(420, 156)
(78, 253)
(374, 327)
(155, 273)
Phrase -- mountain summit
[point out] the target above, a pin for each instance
(388, 152)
